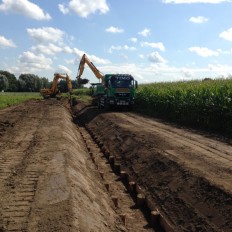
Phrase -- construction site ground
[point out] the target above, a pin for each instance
(55, 172)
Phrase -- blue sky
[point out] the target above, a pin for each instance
(154, 40)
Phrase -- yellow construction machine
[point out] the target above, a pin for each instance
(54, 91)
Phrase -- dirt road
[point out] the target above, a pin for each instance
(48, 181)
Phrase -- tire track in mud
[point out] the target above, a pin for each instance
(225, 154)
(191, 151)
(19, 174)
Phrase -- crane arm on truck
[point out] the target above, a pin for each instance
(81, 68)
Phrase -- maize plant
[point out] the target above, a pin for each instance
(207, 103)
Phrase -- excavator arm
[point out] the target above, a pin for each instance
(58, 76)
(53, 91)
(81, 68)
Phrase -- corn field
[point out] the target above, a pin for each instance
(207, 103)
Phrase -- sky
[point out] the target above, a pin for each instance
(153, 40)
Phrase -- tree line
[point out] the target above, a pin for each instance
(31, 83)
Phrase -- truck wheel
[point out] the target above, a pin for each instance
(99, 103)
(107, 105)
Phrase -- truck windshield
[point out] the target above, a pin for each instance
(121, 82)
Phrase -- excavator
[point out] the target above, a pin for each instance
(53, 92)
(113, 90)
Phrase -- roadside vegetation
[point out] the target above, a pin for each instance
(206, 104)
(83, 94)
(31, 83)
(12, 98)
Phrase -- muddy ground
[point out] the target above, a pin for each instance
(48, 181)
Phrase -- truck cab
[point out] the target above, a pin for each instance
(118, 90)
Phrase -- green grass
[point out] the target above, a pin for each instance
(83, 95)
(8, 98)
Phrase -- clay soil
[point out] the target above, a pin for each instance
(48, 181)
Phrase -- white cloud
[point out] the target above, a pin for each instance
(134, 40)
(124, 47)
(98, 60)
(227, 35)
(146, 32)
(204, 52)
(155, 57)
(6, 42)
(46, 34)
(158, 45)
(114, 48)
(63, 9)
(30, 62)
(187, 73)
(49, 49)
(114, 30)
(92, 58)
(124, 56)
(63, 69)
(84, 8)
(67, 50)
(199, 19)
(78, 52)
(26, 8)
(219, 68)
(195, 1)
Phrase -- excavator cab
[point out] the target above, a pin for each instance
(54, 92)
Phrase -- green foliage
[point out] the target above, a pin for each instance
(206, 103)
(83, 94)
(4, 84)
(25, 82)
(31, 83)
(11, 98)
(12, 81)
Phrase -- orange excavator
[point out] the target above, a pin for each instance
(53, 91)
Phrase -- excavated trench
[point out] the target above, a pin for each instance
(185, 180)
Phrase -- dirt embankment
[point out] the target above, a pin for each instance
(47, 181)
(187, 174)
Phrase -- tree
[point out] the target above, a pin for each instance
(12, 81)
(22, 86)
(74, 84)
(32, 83)
(62, 86)
(45, 82)
(4, 84)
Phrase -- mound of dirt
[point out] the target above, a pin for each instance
(47, 181)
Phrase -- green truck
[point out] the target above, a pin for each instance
(113, 90)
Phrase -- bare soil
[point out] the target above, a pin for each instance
(187, 173)
(48, 181)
